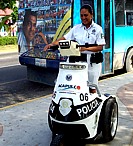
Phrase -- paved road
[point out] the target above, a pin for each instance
(14, 87)
(9, 59)
(26, 124)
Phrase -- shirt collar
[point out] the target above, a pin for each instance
(92, 24)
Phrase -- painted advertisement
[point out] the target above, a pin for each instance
(40, 22)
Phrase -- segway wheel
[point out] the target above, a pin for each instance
(51, 127)
(58, 140)
(49, 123)
(110, 120)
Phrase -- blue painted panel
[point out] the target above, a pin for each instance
(29, 61)
(76, 12)
(123, 38)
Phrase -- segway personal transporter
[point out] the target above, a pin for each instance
(74, 112)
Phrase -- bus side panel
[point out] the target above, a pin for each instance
(53, 21)
(122, 42)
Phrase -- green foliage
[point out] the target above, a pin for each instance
(8, 41)
(11, 4)
(7, 4)
(3, 23)
(14, 15)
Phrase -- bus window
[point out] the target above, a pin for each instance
(99, 12)
(129, 5)
(107, 23)
(129, 12)
(129, 18)
(91, 3)
(88, 2)
(119, 10)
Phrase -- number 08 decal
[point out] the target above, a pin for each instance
(84, 97)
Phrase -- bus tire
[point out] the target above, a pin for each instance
(129, 61)
(110, 120)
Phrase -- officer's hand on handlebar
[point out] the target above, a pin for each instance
(47, 47)
(82, 49)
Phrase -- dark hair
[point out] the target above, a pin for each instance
(88, 7)
(28, 13)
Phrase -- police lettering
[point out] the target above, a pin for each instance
(86, 109)
(67, 86)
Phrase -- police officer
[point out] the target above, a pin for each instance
(87, 32)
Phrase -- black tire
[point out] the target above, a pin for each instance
(49, 123)
(51, 127)
(129, 61)
(110, 120)
(63, 140)
(58, 140)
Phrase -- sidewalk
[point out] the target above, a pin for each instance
(125, 94)
(122, 87)
(26, 124)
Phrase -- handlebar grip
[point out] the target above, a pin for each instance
(86, 45)
(54, 47)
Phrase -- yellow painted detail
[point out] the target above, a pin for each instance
(64, 24)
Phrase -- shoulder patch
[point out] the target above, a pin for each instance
(102, 36)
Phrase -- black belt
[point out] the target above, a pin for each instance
(95, 58)
(83, 58)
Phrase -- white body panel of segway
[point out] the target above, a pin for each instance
(68, 48)
(72, 84)
(72, 103)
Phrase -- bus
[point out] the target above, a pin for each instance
(57, 17)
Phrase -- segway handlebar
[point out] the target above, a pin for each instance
(71, 48)
(54, 47)
(86, 45)
(77, 46)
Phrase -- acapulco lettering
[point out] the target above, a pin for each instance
(65, 86)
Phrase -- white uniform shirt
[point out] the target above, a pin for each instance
(91, 35)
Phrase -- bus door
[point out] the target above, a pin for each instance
(103, 11)
(104, 18)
